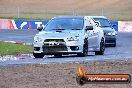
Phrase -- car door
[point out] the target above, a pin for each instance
(96, 36)
(92, 36)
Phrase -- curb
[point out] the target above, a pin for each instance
(6, 58)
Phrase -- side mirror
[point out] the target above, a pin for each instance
(89, 28)
(97, 24)
(40, 28)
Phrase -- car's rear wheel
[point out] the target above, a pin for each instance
(102, 48)
(85, 50)
(38, 55)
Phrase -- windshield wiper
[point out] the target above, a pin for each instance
(75, 29)
(58, 29)
(105, 26)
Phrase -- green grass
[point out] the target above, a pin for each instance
(12, 49)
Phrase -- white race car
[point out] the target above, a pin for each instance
(69, 35)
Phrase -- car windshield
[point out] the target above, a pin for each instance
(103, 22)
(65, 24)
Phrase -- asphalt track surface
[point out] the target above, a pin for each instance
(22, 36)
(123, 50)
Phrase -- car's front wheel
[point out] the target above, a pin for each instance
(85, 50)
(38, 55)
(102, 48)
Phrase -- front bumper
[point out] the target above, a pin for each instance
(55, 50)
(110, 40)
(51, 48)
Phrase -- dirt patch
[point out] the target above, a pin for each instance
(60, 75)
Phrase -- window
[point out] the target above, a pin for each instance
(65, 24)
(103, 22)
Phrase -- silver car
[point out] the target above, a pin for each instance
(69, 35)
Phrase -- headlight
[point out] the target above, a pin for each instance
(76, 38)
(38, 39)
(111, 33)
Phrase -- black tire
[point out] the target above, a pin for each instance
(38, 55)
(85, 49)
(102, 48)
(57, 55)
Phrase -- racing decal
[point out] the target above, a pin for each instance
(125, 26)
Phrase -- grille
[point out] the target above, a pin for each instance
(54, 48)
(54, 40)
(109, 41)
(54, 44)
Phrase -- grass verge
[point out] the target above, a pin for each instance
(12, 49)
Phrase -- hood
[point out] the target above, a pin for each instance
(107, 29)
(54, 34)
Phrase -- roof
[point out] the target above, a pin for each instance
(98, 17)
(78, 17)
